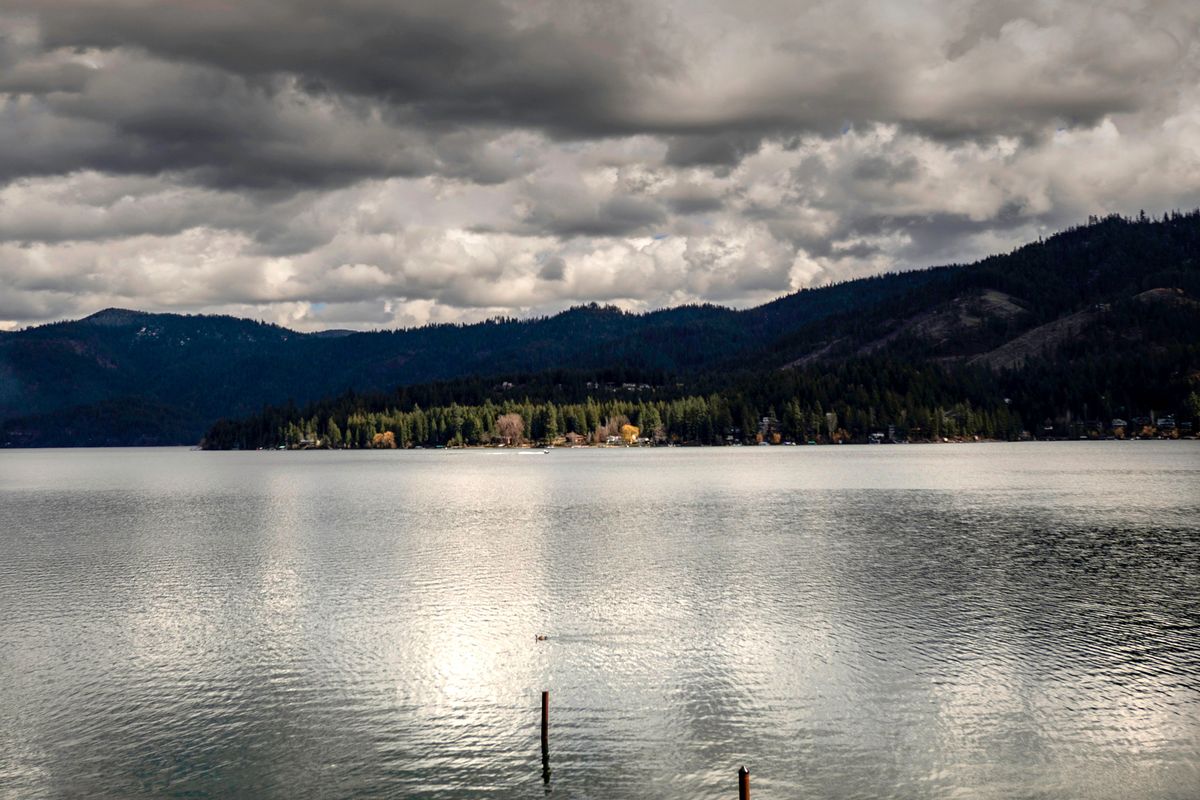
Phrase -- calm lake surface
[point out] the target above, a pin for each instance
(954, 621)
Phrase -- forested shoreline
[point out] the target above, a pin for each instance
(712, 420)
(853, 402)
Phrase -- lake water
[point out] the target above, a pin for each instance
(952, 621)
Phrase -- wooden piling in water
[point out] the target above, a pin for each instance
(743, 783)
(546, 737)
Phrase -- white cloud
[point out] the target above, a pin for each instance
(650, 155)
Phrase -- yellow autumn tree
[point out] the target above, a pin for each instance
(385, 440)
(629, 433)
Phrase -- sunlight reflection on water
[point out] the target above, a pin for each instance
(957, 621)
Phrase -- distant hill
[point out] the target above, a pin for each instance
(1106, 310)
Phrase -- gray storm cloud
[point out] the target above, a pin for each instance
(368, 163)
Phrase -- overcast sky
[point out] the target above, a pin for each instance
(377, 163)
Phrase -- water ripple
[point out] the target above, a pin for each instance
(996, 621)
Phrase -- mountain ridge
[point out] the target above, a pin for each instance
(195, 369)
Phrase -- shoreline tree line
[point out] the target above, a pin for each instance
(712, 420)
(844, 404)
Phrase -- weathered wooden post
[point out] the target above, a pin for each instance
(545, 737)
(743, 783)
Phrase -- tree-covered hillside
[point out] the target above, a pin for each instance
(1098, 320)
